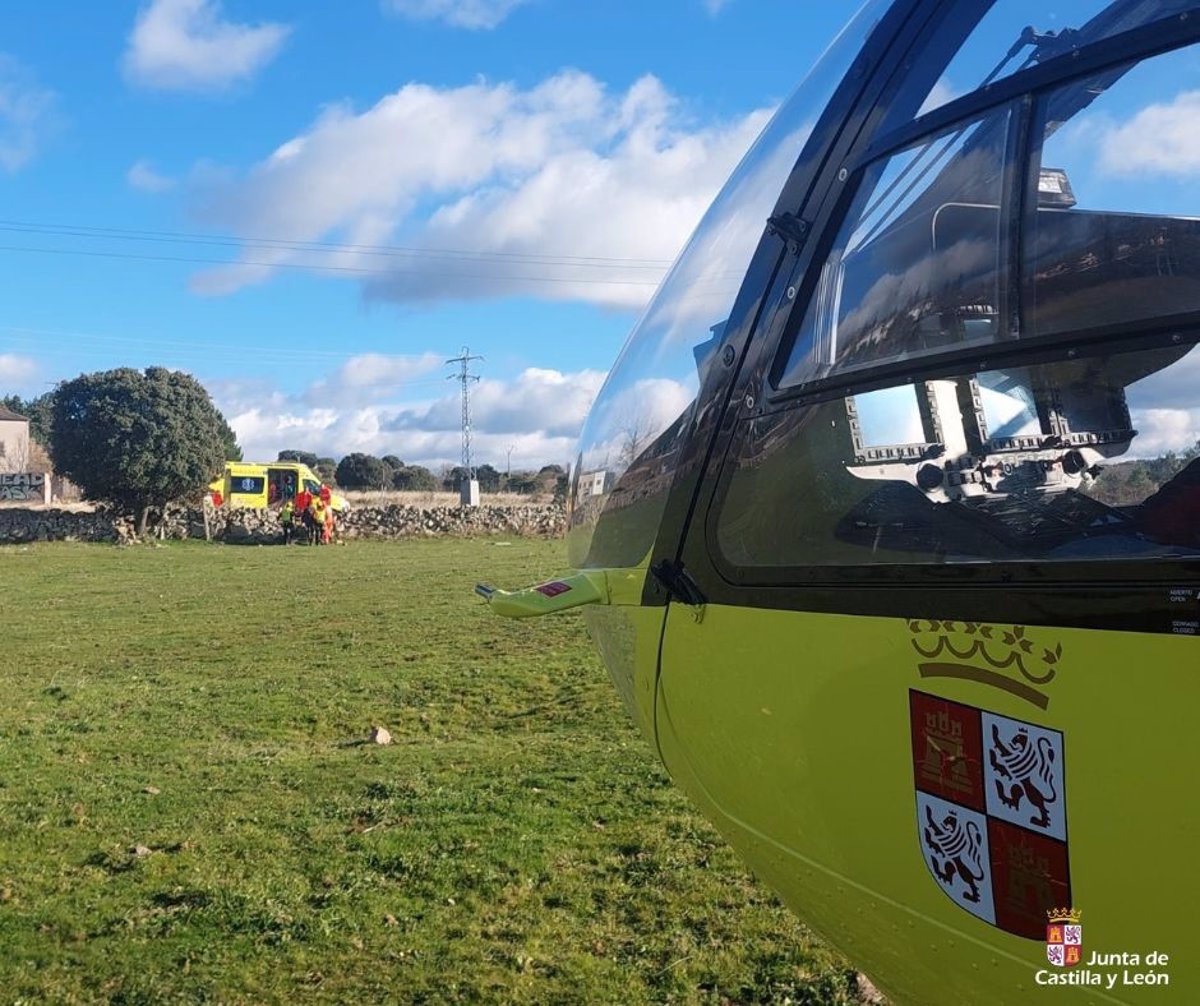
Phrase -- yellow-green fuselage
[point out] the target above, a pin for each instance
(793, 733)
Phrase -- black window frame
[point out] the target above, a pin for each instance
(1008, 252)
(1023, 91)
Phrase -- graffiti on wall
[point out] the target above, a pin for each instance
(25, 487)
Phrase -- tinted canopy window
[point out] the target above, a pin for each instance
(1016, 34)
(915, 268)
(1114, 213)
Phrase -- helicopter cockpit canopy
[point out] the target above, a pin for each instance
(997, 319)
(645, 406)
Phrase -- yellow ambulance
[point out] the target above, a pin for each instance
(258, 484)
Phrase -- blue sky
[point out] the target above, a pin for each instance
(554, 154)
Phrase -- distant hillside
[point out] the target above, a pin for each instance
(1128, 483)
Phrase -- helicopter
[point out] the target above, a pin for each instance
(886, 521)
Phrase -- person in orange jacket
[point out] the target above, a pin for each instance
(326, 497)
(304, 501)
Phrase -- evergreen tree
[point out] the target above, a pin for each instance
(363, 471)
(303, 457)
(136, 439)
(413, 478)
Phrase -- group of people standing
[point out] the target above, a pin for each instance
(315, 512)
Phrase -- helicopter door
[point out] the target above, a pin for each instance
(947, 557)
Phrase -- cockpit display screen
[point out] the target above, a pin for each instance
(1006, 397)
(890, 416)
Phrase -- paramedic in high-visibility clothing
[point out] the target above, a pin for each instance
(287, 517)
(316, 529)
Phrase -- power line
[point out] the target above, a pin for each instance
(32, 334)
(312, 267)
(262, 354)
(228, 240)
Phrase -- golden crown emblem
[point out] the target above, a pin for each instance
(1007, 658)
(1069, 915)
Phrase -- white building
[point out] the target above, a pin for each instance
(14, 441)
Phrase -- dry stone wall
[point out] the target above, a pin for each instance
(262, 527)
(18, 525)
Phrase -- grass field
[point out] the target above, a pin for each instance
(189, 811)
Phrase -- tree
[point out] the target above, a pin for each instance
(454, 477)
(635, 435)
(326, 469)
(137, 440)
(524, 484)
(229, 444)
(489, 479)
(363, 471)
(303, 457)
(393, 462)
(414, 478)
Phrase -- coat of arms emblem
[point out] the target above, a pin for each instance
(991, 812)
(1064, 937)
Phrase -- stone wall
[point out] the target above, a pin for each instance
(19, 525)
(253, 527)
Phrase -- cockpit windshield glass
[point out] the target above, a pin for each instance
(1016, 34)
(640, 418)
(1080, 458)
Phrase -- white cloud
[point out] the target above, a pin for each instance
(144, 178)
(942, 93)
(561, 191)
(538, 413)
(27, 115)
(16, 371)
(185, 45)
(370, 376)
(1165, 408)
(630, 418)
(1162, 430)
(474, 14)
(1161, 139)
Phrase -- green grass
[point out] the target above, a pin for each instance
(516, 844)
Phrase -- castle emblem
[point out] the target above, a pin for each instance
(1064, 937)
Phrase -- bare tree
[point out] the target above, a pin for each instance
(635, 436)
(14, 456)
